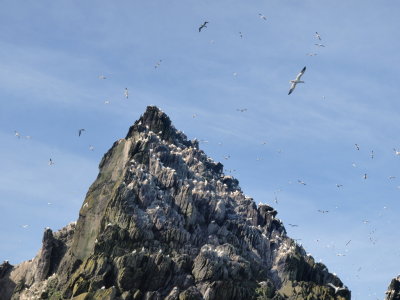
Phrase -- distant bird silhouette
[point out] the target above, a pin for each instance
(51, 162)
(241, 109)
(102, 77)
(80, 131)
(357, 147)
(301, 182)
(17, 134)
(158, 64)
(320, 45)
(296, 81)
(126, 93)
(317, 36)
(263, 17)
(204, 25)
(240, 34)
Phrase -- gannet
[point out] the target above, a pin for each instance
(296, 81)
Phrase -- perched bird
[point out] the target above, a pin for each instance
(126, 93)
(80, 131)
(204, 25)
(51, 162)
(317, 36)
(263, 17)
(296, 81)
(336, 288)
(319, 45)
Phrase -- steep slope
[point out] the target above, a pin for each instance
(162, 221)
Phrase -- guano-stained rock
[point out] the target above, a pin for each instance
(162, 221)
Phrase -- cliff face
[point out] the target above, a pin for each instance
(162, 221)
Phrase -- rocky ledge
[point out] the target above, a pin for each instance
(162, 221)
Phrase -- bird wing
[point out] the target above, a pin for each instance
(331, 285)
(292, 87)
(300, 74)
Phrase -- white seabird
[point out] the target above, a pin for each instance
(296, 81)
(317, 35)
(263, 17)
(336, 288)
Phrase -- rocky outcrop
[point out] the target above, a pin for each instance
(162, 221)
(393, 292)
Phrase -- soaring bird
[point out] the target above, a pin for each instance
(320, 45)
(336, 288)
(263, 17)
(204, 25)
(126, 93)
(296, 81)
(301, 182)
(80, 131)
(17, 134)
(158, 64)
(51, 162)
(317, 36)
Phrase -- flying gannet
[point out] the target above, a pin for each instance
(204, 25)
(296, 81)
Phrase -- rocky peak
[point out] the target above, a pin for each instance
(156, 121)
(162, 221)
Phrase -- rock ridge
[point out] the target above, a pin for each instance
(162, 221)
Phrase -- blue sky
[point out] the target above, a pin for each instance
(51, 56)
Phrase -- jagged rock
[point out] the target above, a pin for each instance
(393, 292)
(162, 221)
